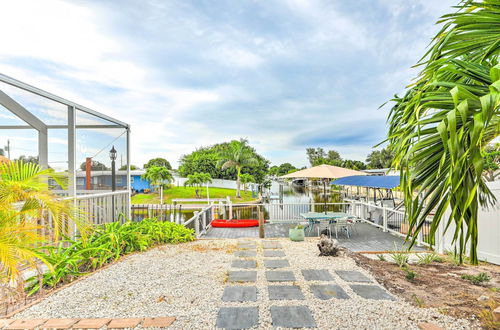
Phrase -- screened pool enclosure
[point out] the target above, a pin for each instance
(75, 141)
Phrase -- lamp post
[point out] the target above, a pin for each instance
(112, 156)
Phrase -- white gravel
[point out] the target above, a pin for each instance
(187, 281)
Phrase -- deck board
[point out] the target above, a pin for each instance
(368, 238)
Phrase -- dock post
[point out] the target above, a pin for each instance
(261, 222)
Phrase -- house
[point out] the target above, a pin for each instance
(101, 180)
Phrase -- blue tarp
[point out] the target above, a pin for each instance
(370, 181)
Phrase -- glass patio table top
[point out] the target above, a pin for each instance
(317, 216)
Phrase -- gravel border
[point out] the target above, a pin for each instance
(187, 281)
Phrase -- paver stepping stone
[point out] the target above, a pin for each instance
(274, 253)
(352, 276)
(328, 291)
(271, 245)
(241, 263)
(285, 292)
(240, 293)
(276, 263)
(242, 276)
(245, 253)
(292, 317)
(246, 246)
(371, 292)
(279, 276)
(237, 317)
(317, 275)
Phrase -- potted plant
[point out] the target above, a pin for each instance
(297, 233)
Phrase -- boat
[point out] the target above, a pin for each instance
(235, 223)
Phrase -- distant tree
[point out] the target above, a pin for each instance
(318, 156)
(94, 166)
(282, 169)
(491, 158)
(197, 180)
(157, 175)
(27, 159)
(132, 167)
(160, 162)
(238, 155)
(380, 158)
(246, 179)
(353, 164)
(207, 160)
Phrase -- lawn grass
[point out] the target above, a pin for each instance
(189, 192)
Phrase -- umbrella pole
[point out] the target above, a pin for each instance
(324, 192)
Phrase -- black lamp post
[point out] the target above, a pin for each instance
(112, 156)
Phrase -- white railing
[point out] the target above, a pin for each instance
(201, 221)
(390, 220)
(103, 208)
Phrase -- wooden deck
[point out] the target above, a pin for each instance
(368, 238)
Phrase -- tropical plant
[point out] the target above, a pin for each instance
(238, 155)
(160, 162)
(440, 127)
(73, 258)
(477, 279)
(197, 180)
(428, 258)
(245, 179)
(157, 175)
(24, 200)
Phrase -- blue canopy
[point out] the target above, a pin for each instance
(370, 181)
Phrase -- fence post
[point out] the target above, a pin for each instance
(384, 212)
(196, 223)
(353, 212)
(204, 220)
(419, 238)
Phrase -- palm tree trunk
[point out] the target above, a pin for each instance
(238, 181)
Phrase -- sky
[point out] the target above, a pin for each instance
(284, 74)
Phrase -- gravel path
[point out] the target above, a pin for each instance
(187, 281)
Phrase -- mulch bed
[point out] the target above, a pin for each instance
(440, 285)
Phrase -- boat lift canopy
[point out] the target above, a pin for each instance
(369, 181)
(377, 183)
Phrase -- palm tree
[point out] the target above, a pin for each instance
(238, 155)
(439, 128)
(197, 180)
(24, 200)
(157, 175)
(245, 179)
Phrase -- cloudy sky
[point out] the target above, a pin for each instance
(285, 74)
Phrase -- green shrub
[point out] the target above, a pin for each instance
(428, 258)
(409, 274)
(400, 258)
(381, 257)
(476, 279)
(74, 258)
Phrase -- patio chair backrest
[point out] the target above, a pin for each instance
(342, 221)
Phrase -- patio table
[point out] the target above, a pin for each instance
(316, 217)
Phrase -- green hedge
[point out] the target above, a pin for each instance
(74, 258)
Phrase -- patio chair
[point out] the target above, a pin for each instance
(342, 224)
(325, 224)
(351, 221)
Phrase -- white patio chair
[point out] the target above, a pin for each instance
(342, 224)
(325, 224)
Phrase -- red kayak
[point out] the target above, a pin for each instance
(235, 223)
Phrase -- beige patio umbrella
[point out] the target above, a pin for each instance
(324, 172)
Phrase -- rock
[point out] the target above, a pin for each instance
(483, 298)
(328, 246)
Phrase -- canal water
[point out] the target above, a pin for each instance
(278, 194)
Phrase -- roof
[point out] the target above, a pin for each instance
(108, 172)
(370, 181)
(323, 171)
